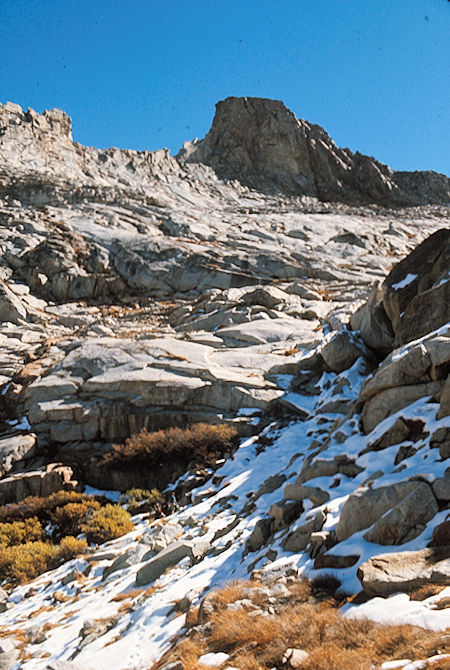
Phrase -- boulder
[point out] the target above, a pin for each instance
(398, 432)
(343, 350)
(416, 273)
(299, 538)
(367, 505)
(441, 535)
(127, 559)
(168, 558)
(391, 400)
(285, 512)
(385, 574)
(260, 534)
(15, 448)
(299, 492)
(407, 519)
(441, 488)
(373, 323)
(295, 658)
(444, 407)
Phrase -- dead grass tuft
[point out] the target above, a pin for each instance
(332, 641)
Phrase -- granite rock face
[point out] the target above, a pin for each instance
(262, 144)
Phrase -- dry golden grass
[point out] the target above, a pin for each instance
(126, 595)
(332, 641)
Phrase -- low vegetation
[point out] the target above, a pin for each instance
(107, 523)
(26, 561)
(200, 443)
(38, 534)
(138, 501)
(257, 635)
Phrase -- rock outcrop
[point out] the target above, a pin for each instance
(405, 571)
(262, 144)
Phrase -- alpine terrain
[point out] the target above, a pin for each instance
(225, 401)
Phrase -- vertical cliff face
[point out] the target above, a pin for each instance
(262, 144)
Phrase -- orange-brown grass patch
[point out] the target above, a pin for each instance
(201, 443)
(126, 595)
(332, 641)
(40, 610)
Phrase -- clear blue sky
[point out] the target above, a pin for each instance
(143, 74)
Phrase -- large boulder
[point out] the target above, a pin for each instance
(168, 558)
(405, 571)
(413, 300)
(367, 506)
(343, 350)
(407, 374)
(407, 519)
(14, 448)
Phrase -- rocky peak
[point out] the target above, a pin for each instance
(262, 144)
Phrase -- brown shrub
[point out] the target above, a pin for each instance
(200, 443)
(106, 524)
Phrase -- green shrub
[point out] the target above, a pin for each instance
(26, 561)
(201, 443)
(106, 524)
(141, 500)
(19, 532)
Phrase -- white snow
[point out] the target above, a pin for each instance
(233, 506)
(214, 659)
(404, 282)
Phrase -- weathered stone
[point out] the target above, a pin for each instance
(407, 519)
(405, 571)
(416, 273)
(299, 538)
(300, 492)
(15, 448)
(398, 432)
(284, 512)
(391, 400)
(11, 307)
(167, 558)
(53, 477)
(260, 534)
(441, 488)
(295, 658)
(343, 350)
(373, 323)
(367, 505)
(128, 558)
(335, 561)
(319, 467)
(444, 407)
(441, 535)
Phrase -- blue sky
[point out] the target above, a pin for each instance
(143, 74)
